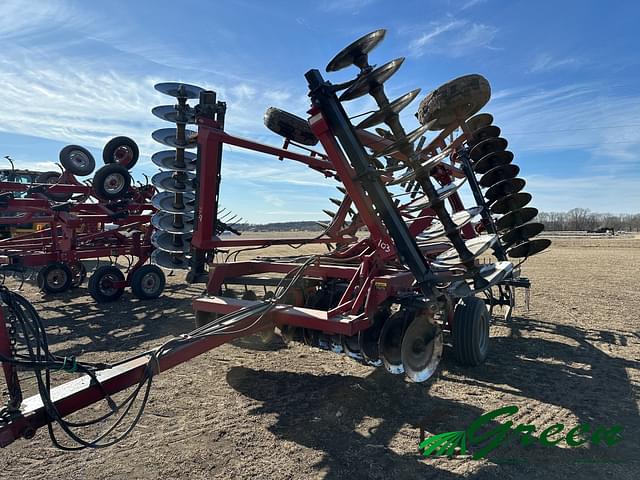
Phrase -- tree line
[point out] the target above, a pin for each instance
(582, 219)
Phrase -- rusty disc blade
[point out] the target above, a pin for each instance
(516, 218)
(504, 188)
(352, 54)
(511, 202)
(522, 233)
(492, 160)
(365, 83)
(497, 174)
(529, 248)
(489, 145)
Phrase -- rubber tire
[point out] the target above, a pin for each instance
(51, 178)
(463, 96)
(468, 331)
(109, 151)
(95, 289)
(289, 126)
(68, 164)
(138, 276)
(52, 289)
(101, 176)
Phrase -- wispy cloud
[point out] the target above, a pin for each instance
(470, 4)
(454, 38)
(351, 6)
(545, 62)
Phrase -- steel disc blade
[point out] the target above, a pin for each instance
(168, 242)
(483, 133)
(387, 111)
(390, 343)
(522, 233)
(369, 338)
(350, 347)
(421, 349)
(497, 174)
(169, 260)
(408, 140)
(492, 160)
(477, 246)
(488, 276)
(443, 193)
(167, 202)
(516, 218)
(478, 121)
(177, 182)
(528, 248)
(365, 83)
(460, 219)
(489, 145)
(179, 90)
(511, 202)
(351, 54)
(171, 114)
(168, 160)
(504, 188)
(424, 168)
(166, 222)
(167, 136)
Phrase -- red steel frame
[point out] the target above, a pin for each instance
(369, 278)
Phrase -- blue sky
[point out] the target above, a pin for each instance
(564, 76)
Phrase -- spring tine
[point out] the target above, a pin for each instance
(335, 201)
(330, 213)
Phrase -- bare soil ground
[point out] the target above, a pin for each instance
(289, 412)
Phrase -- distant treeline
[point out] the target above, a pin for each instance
(576, 219)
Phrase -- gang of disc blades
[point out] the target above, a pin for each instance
(167, 160)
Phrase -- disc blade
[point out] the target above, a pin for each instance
(168, 160)
(436, 230)
(443, 193)
(390, 344)
(480, 120)
(167, 202)
(489, 145)
(424, 168)
(179, 90)
(167, 136)
(352, 53)
(497, 174)
(477, 246)
(511, 202)
(171, 243)
(522, 233)
(171, 114)
(528, 248)
(504, 188)
(387, 111)
(492, 160)
(170, 261)
(166, 222)
(365, 83)
(408, 140)
(489, 275)
(483, 133)
(177, 182)
(421, 349)
(516, 218)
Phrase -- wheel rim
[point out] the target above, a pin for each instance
(114, 183)
(106, 285)
(79, 159)
(56, 278)
(123, 154)
(150, 283)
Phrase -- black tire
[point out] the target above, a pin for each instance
(54, 278)
(471, 331)
(122, 150)
(101, 284)
(51, 178)
(454, 101)
(78, 274)
(112, 181)
(147, 282)
(289, 126)
(77, 160)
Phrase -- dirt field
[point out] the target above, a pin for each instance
(298, 412)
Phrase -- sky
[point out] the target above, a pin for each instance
(564, 78)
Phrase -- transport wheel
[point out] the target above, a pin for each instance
(112, 181)
(122, 150)
(471, 331)
(454, 101)
(54, 278)
(147, 282)
(77, 160)
(78, 273)
(101, 284)
(289, 126)
(51, 178)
